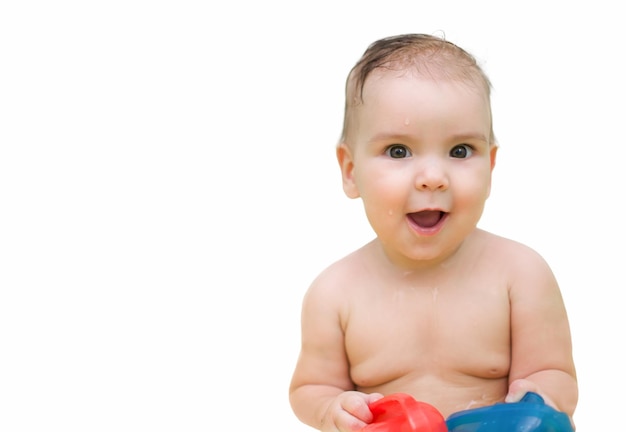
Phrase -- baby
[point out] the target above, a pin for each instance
(433, 306)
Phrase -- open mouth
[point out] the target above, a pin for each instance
(427, 218)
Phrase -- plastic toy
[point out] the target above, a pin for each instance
(400, 412)
(531, 414)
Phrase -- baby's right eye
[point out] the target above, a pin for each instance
(397, 151)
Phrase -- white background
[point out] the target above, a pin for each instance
(168, 190)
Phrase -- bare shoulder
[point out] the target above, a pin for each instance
(338, 279)
(529, 276)
(510, 253)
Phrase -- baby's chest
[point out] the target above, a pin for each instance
(419, 336)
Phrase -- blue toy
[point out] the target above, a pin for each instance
(531, 414)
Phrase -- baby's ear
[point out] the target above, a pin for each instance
(492, 155)
(346, 163)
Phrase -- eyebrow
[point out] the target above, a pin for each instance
(470, 136)
(385, 136)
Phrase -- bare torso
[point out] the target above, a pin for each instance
(454, 334)
(441, 335)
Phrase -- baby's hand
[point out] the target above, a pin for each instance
(349, 412)
(518, 388)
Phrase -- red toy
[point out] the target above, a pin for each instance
(400, 412)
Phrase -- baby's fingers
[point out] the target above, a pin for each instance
(358, 407)
(346, 422)
(348, 413)
(520, 387)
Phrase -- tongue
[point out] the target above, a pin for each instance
(426, 219)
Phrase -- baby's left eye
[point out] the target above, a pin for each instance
(397, 151)
(461, 151)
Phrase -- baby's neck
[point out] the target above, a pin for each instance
(404, 266)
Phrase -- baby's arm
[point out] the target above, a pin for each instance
(321, 393)
(541, 355)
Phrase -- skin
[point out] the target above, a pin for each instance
(450, 314)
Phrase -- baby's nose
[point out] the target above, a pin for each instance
(431, 176)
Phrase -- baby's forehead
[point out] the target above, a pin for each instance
(381, 76)
(384, 87)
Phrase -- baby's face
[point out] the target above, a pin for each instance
(420, 158)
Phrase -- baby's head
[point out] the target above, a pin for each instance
(421, 54)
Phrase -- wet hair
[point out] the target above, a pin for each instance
(426, 55)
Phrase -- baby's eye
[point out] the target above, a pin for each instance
(397, 151)
(461, 151)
